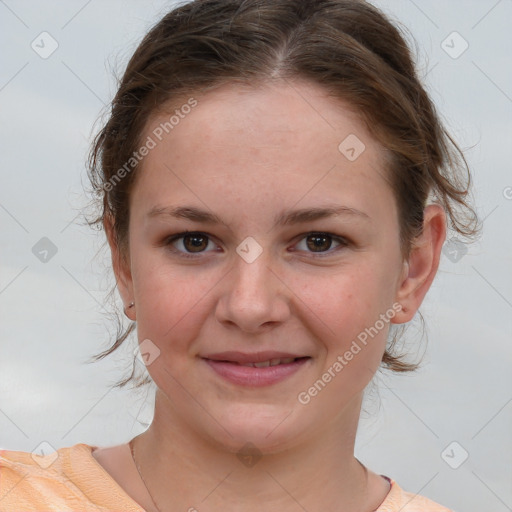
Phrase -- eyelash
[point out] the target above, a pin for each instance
(168, 241)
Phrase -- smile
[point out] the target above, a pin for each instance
(257, 373)
(270, 362)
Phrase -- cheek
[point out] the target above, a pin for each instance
(353, 336)
(172, 302)
(345, 312)
(348, 300)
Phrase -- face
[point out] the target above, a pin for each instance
(254, 280)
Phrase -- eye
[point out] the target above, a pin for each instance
(189, 243)
(321, 243)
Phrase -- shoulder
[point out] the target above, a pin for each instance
(403, 501)
(33, 482)
(67, 479)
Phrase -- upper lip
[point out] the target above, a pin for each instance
(245, 357)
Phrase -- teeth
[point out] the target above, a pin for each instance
(263, 364)
(271, 362)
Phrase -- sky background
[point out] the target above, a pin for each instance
(444, 431)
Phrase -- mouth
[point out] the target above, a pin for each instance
(257, 369)
(264, 364)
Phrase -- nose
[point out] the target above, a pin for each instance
(254, 296)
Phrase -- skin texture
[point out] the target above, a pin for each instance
(247, 154)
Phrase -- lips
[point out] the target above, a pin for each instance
(257, 359)
(271, 362)
(255, 369)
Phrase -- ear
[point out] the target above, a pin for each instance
(121, 268)
(420, 269)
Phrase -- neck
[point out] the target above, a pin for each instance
(184, 471)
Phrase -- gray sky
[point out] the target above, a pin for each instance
(52, 312)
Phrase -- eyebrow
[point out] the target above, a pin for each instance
(286, 218)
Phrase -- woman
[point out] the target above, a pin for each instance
(275, 187)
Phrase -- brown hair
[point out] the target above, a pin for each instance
(347, 46)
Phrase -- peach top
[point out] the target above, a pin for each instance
(71, 479)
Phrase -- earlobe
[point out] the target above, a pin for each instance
(121, 269)
(419, 271)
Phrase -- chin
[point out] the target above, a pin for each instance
(268, 429)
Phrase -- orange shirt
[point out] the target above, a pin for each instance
(71, 479)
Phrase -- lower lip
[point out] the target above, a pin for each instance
(255, 377)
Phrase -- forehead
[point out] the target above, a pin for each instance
(271, 114)
(282, 139)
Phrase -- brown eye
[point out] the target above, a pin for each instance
(195, 242)
(319, 243)
(189, 244)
